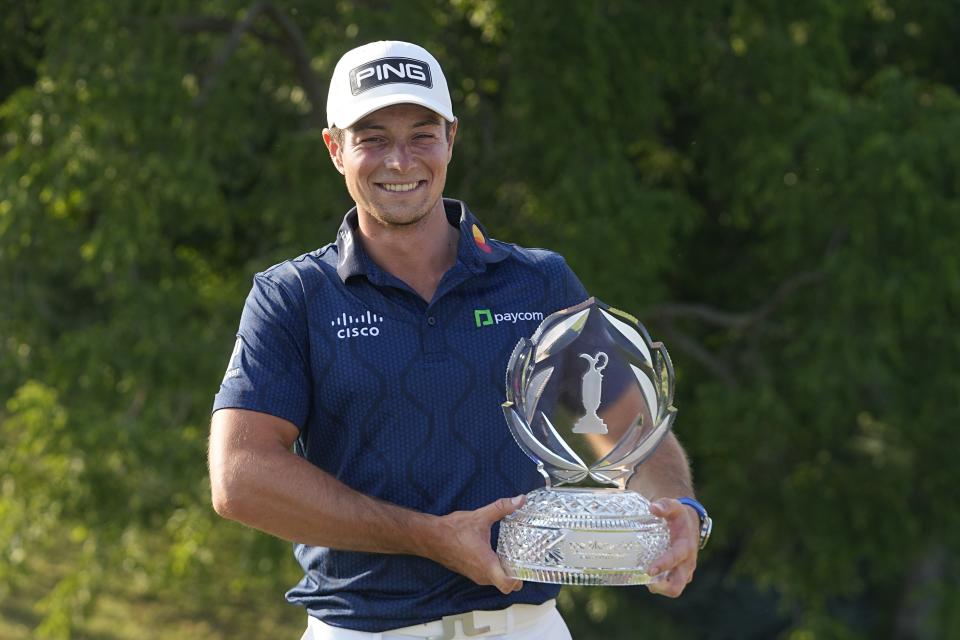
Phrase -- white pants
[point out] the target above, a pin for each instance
(518, 622)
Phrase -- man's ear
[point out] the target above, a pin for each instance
(450, 138)
(335, 149)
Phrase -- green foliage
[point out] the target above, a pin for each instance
(787, 171)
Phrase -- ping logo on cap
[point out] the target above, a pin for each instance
(389, 70)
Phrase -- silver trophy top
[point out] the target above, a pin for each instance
(589, 396)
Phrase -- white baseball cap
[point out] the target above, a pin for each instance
(383, 73)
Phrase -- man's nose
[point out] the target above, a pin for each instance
(399, 159)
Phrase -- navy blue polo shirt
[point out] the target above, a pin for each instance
(399, 399)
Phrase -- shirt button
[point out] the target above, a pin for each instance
(431, 321)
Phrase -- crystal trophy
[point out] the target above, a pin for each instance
(589, 397)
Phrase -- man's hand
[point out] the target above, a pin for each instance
(461, 543)
(680, 560)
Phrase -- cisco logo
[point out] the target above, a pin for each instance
(363, 325)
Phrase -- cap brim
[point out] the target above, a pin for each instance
(348, 119)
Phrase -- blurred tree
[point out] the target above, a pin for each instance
(772, 188)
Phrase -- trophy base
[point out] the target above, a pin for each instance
(582, 536)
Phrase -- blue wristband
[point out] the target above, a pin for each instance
(706, 523)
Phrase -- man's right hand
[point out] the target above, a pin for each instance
(257, 480)
(461, 542)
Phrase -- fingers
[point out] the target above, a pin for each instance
(680, 551)
(500, 579)
(674, 583)
(507, 585)
(684, 528)
(671, 510)
(499, 509)
(467, 550)
(680, 560)
(495, 511)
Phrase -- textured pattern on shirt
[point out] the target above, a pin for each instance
(398, 399)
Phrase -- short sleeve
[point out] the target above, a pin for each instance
(268, 369)
(573, 290)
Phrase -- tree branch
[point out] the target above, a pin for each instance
(701, 354)
(296, 46)
(226, 52)
(733, 320)
(213, 24)
(291, 42)
(745, 319)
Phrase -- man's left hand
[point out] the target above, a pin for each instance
(680, 560)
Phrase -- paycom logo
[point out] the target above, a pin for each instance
(486, 317)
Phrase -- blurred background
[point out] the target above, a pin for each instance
(773, 188)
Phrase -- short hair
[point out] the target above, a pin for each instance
(337, 133)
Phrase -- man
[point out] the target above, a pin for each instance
(366, 357)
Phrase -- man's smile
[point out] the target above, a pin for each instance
(400, 187)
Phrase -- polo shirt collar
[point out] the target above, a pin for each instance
(475, 250)
(352, 259)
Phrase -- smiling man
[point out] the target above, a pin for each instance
(368, 358)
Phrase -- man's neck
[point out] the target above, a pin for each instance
(419, 254)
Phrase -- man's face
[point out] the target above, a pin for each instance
(395, 163)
